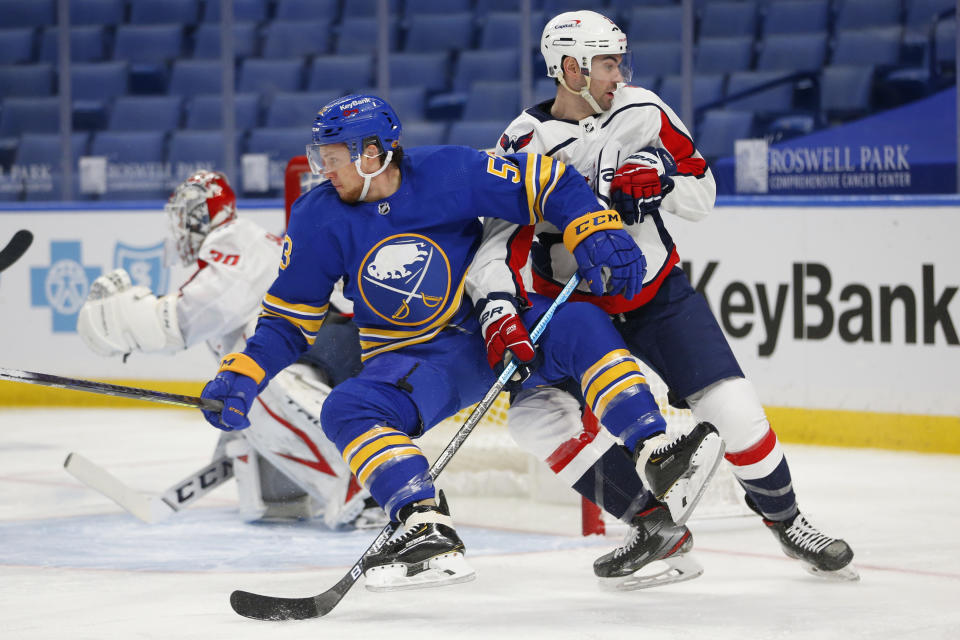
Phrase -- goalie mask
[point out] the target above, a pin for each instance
(356, 121)
(582, 35)
(203, 202)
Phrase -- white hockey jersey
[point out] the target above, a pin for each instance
(220, 302)
(595, 146)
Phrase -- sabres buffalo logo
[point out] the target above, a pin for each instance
(507, 143)
(405, 279)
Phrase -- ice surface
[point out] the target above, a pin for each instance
(73, 565)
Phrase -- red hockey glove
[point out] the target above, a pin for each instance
(505, 335)
(641, 182)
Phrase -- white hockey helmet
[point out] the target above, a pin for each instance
(582, 35)
(201, 203)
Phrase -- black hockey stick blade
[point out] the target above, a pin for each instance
(272, 608)
(104, 388)
(17, 246)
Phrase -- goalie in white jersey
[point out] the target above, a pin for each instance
(284, 465)
(640, 160)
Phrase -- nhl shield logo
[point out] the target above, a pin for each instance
(145, 266)
(405, 279)
(383, 208)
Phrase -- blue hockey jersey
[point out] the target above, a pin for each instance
(404, 258)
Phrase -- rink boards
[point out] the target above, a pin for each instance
(843, 312)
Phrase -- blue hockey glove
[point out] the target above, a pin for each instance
(613, 251)
(236, 386)
(641, 182)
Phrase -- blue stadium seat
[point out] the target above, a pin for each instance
(358, 35)
(145, 113)
(206, 40)
(192, 77)
(723, 55)
(291, 38)
(656, 23)
(867, 46)
(418, 134)
(485, 64)
(430, 70)
(479, 134)
(485, 7)
(16, 45)
(297, 109)
(191, 151)
(845, 91)
(793, 52)
(554, 7)
(492, 100)
(719, 129)
(44, 149)
(728, 19)
(308, 10)
(98, 80)
(28, 13)
(87, 44)
(410, 103)
(150, 44)
(26, 80)
(655, 57)
(413, 8)
(776, 99)
(280, 145)
(862, 14)
(706, 88)
(646, 80)
(34, 115)
(546, 89)
(501, 30)
(142, 149)
(243, 10)
(206, 112)
(946, 35)
(796, 16)
(367, 8)
(440, 32)
(329, 72)
(921, 13)
(270, 76)
(184, 12)
(96, 12)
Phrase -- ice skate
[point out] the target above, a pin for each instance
(652, 537)
(677, 471)
(428, 554)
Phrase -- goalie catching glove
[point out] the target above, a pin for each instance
(236, 386)
(608, 259)
(505, 336)
(641, 182)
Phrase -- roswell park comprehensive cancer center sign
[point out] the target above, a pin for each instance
(907, 150)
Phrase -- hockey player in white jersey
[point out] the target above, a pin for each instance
(640, 159)
(285, 467)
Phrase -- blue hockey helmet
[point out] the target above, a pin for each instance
(356, 120)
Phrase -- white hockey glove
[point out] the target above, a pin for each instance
(118, 318)
(641, 183)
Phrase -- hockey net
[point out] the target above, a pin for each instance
(490, 464)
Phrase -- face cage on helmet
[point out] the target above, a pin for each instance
(189, 225)
(355, 147)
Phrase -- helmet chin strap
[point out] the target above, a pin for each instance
(583, 93)
(368, 177)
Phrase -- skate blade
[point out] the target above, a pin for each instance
(679, 568)
(450, 568)
(685, 494)
(844, 574)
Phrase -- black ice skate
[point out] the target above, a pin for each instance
(819, 554)
(652, 537)
(677, 472)
(429, 553)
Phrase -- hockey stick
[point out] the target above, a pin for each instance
(90, 386)
(150, 508)
(263, 607)
(17, 246)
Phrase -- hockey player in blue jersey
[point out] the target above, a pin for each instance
(401, 230)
